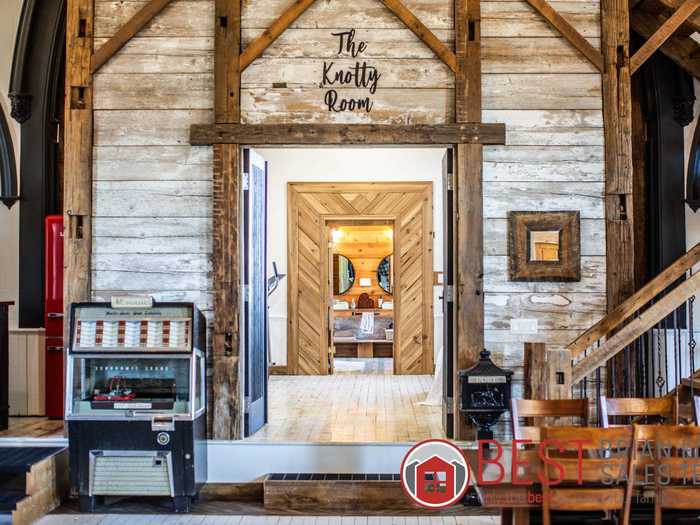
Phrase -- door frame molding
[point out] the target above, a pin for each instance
(294, 190)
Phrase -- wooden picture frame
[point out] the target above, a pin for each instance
(565, 266)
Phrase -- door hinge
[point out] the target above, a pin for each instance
(450, 181)
(246, 404)
(245, 181)
(450, 405)
(450, 293)
(245, 290)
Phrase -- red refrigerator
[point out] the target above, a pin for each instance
(53, 314)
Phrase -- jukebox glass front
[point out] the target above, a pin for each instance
(118, 385)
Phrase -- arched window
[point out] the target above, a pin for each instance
(8, 167)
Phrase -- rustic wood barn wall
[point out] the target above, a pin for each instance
(152, 200)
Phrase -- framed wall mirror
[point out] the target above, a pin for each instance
(343, 274)
(544, 246)
(384, 279)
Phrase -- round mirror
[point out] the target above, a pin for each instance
(384, 274)
(343, 274)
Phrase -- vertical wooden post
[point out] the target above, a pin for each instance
(617, 119)
(619, 180)
(469, 226)
(547, 372)
(226, 402)
(77, 199)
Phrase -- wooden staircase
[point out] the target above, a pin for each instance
(32, 482)
(636, 322)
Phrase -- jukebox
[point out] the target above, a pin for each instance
(135, 401)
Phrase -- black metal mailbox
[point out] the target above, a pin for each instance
(485, 394)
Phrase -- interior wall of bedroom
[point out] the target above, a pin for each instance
(342, 165)
(9, 219)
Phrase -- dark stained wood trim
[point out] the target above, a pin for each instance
(568, 31)
(226, 406)
(258, 46)
(291, 134)
(227, 75)
(683, 50)
(126, 33)
(468, 203)
(227, 409)
(663, 33)
(77, 200)
(421, 31)
(617, 120)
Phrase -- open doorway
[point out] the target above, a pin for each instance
(361, 316)
(356, 326)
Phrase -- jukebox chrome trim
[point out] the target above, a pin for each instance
(166, 454)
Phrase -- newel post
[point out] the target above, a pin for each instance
(547, 372)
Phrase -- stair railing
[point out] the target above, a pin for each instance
(644, 347)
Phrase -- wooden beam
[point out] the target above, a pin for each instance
(568, 31)
(617, 121)
(644, 322)
(683, 50)
(292, 134)
(126, 33)
(227, 49)
(226, 407)
(421, 31)
(226, 420)
(663, 33)
(258, 46)
(669, 6)
(468, 195)
(547, 372)
(77, 184)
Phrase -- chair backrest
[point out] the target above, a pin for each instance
(587, 469)
(677, 463)
(538, 412)
(604, 451)
(631, 408)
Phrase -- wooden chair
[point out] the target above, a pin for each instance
(679, 462)
(583, 485)
(636, 408)
(530, 409)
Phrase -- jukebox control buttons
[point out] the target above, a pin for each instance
(163, 438)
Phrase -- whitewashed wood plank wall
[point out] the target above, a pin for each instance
(152, 191)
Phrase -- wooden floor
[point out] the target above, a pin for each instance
(362, 402)
(195, 519)
(35, 427)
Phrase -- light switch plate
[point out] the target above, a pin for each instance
(524, 326)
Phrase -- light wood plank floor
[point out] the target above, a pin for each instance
(194, 519)
(35, 427)
(361, 402)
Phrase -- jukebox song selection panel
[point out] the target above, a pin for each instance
(158, 334)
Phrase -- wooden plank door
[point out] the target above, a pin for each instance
(255, 318)
(448, 293)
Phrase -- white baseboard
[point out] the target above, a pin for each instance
(245, 461)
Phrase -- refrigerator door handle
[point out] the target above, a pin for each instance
(54, 348)
(54, 315)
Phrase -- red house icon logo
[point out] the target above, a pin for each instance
(434, 474)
